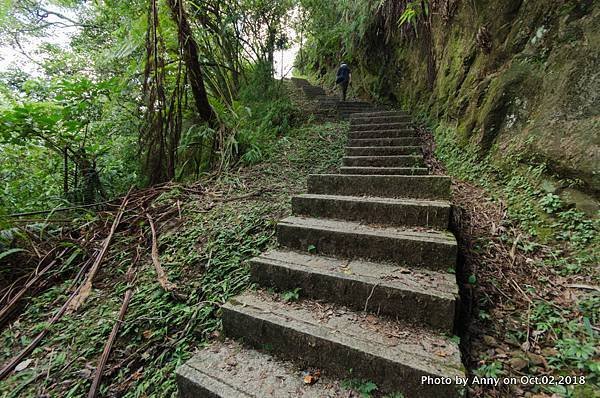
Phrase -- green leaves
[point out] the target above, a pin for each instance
(365, 388)
(9, 252)
(291, 295)
(30, 121)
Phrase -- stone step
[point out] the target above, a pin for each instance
(229, 370)
(347, 113)
(344, 115)
(380, 119)
(344, 106)
(314, 92)
(384, 170)
(380, 126)
(429, 249)
(354, 103)
(300, 84)
(380, 113)
(326, 98)
(416, 187)
(370, 134)
(411, 141)
(336, 340)
(413, 161)
(383, 211)
(383, 150)
(420, 297)
(352, 108)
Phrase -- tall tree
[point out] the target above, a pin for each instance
(189, 49)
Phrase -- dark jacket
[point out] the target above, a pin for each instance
(343, 74)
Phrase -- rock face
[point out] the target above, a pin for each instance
(508, 76)
(365, 263)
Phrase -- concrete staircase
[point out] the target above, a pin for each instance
(369, 252)
(330, 105)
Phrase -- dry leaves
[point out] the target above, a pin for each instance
(311, 377)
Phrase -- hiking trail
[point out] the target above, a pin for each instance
(366, 263)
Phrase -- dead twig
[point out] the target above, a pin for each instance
(84, 292)
(584, 287)
(370, 295)
(160, 272)
(109, 344)
(34, 343)
(34, 278)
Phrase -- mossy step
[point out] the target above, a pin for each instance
(384, 170)
(352, 108)
(338, 340)
(415, 161)
(421, 297)
(409, 247)
(380, 119)
(229, 370)
(354, 103)
(380, 126)
(416, 187)
(373, 134)
(366, 142)
(313, 91)
(383, 211)
(379, 113)
(348, 111)
(383, 150)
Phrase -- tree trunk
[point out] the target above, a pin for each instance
(189, 49)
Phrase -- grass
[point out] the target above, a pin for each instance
(203, 252)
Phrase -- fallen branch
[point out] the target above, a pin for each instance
(584, 287)
(13, 302)
(34, 213)
(33, 279)
(84, 292)
(160, 272)
(109, 344)
(34, 343)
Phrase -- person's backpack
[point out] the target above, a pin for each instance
(342, 74)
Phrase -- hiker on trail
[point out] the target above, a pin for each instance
(343, 78)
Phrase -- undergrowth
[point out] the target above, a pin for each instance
(536, 261)
(202, 251)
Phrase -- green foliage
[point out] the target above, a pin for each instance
(88, 96)
(365, 388)
(252, 125)
(577, 342)
(413, 11)
(493, 369)
(541, 214)
(570, 237)
(291, 295)
(7, 253)
(551, 203)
